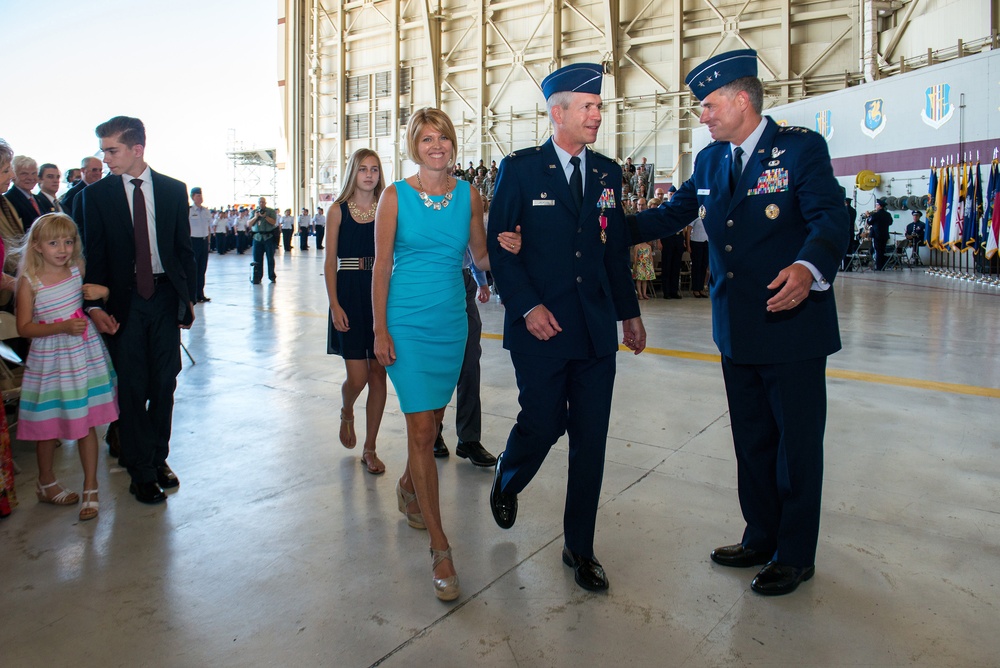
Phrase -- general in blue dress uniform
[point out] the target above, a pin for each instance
(563, 295)
(777, 232)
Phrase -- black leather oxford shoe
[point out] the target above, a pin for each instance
(166, 478)
(475, 453)
(776, 579)
(738, 556)
(504, 506)
(587, 571)
(147, 492)
(440, 449)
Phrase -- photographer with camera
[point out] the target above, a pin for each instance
(263, 225)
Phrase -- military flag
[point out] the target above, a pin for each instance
(949, 209)
(931, 205)
(993, 233)
(987, 218)
(957, 207)
(970, 218)
(940, 204)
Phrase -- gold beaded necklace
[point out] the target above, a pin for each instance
(357, 213)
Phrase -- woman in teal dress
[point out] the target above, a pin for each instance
(422, 227)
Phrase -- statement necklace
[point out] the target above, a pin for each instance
(428, 202)
(357, 213)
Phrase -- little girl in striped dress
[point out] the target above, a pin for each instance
(69, 385)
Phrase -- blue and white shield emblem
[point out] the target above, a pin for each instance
(874, 120)
(937, 109)
(824, 124)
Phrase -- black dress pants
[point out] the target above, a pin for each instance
(147, 357)
(468, 405)
(673, 250)
(200, 247)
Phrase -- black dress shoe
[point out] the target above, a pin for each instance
(475, 453)
(738, 556)
(504, 506)
(166, 478)
(776, 579)
(588, 571)
(440, 449)
(147, 492)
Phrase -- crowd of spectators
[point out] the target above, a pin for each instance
(482, 178)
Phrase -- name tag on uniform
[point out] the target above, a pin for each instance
(704, 191)
(543, 202)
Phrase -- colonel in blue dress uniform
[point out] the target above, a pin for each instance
(563, 295)
(777, 232)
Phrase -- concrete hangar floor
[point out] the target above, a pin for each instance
(279, 549)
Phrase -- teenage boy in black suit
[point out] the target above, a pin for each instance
(138, 243)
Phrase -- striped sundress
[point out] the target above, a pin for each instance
(69, 384)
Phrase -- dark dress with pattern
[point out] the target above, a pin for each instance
(354, 292)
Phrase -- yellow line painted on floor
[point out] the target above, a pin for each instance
(934, 386)
(860, 376)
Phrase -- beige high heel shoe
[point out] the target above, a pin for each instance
(88, 510)
(446, 589)
(403, 499)
(63, 497)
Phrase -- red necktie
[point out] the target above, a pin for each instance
(143, 255)
(34, 203)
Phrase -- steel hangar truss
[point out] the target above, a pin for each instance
(355, 69)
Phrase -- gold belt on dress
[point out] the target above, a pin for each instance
(355, 263)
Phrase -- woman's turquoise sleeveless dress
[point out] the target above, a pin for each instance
(425, 311)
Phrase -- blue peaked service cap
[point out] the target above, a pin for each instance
(575, 78)
(720, 70)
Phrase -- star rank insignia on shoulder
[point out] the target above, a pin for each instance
(520, 153)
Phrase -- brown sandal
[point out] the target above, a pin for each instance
(347, 426)
(375, 466)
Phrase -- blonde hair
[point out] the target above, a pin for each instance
(351, 175)
(46, 228)
(438, 120)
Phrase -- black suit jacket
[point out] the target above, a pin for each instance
(68, 198)
(44, 204)
(110, 242)
(23, 206)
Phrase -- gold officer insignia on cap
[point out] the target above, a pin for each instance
(772, 211)
(701, 212)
